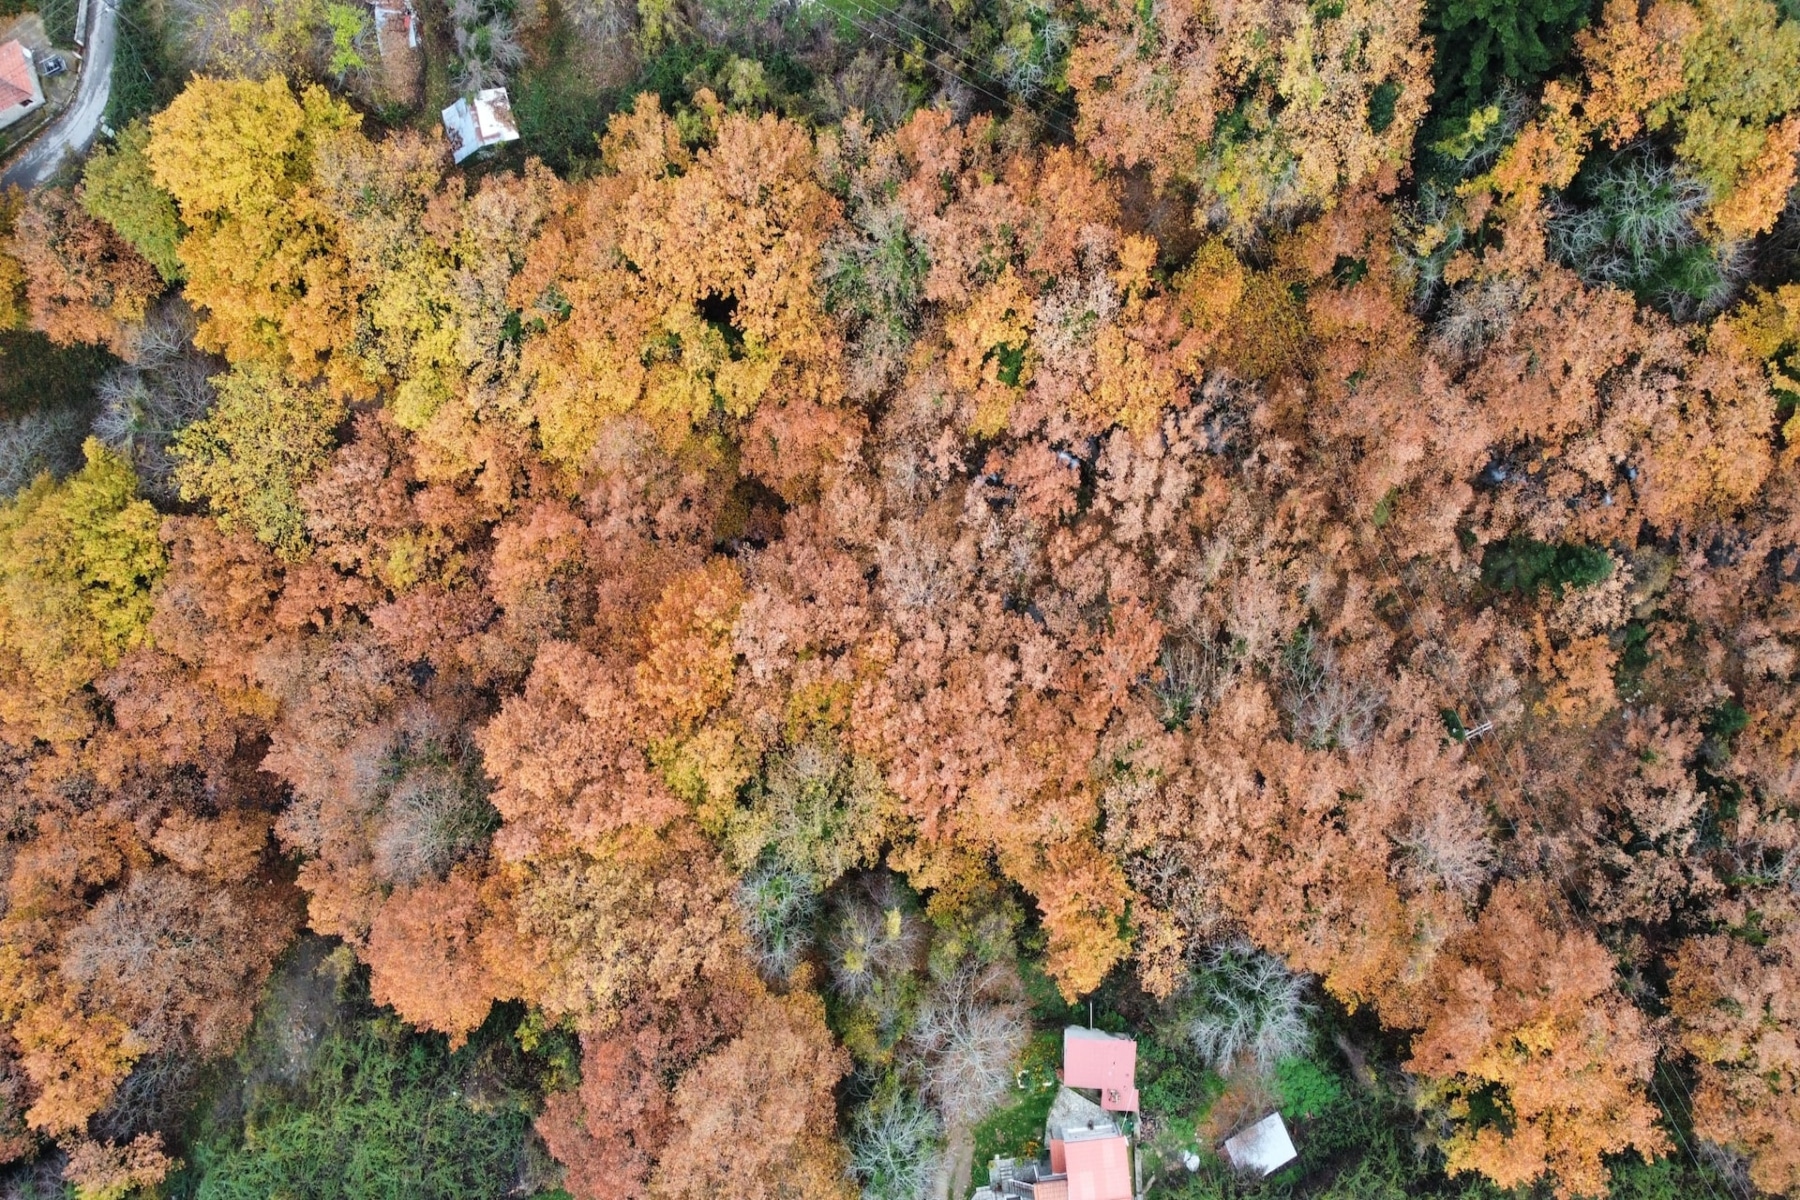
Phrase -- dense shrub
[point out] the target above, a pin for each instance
(384, 1113)
(1522, 564)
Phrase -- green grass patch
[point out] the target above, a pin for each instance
(1016, 1130)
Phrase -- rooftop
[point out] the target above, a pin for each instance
(484, 119)
(1105, 1062)
(18, 77)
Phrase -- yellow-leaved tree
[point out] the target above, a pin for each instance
(681, 286)
(78, 560)
(261, 252)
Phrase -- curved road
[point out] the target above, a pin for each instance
(74, 131)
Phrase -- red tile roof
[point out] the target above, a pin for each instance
(1098, 1169)
(18, 81)
(1103, 1061)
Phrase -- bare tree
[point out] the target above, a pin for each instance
(1324, 709)
(1447, 844)
(875, 934)
(970, 1032)
(1244, 1005)
(435, 815)
(165, 386)
(45, 439)
(777, 903)
(895, 1144)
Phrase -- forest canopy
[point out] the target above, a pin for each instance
(709, 631)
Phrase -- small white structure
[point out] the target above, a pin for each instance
(1263, 1148)
(484, 119)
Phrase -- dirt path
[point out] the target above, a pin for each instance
(957, 1165)
(74, 131)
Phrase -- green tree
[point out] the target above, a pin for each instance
(1484, 43)
(1522, 564)
(119, 188)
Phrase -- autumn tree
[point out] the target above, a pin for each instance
(609, 1134)
(84, 282)
(681, 283)
(180, 959)
(78, 560)
(1320, 101)
(13, 311)
(260, 252)
(430, 264)
(1530, 1011)
(257, 41)
(105, 1171)
(756, 1115)
(426, 956)
(1732, 1003)
(1733, 117)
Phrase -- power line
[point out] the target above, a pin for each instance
(1568, 890)
(892, 19)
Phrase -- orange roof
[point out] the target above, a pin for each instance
(1098, 1168)
(18, 82)
(1050, 1189)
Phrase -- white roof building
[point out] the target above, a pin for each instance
(1263, 1148)
(484, 119)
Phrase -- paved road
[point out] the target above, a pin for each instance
(73, 132)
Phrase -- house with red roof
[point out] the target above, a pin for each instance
(20, 94)
(1103, 1062)
(1088, 1154)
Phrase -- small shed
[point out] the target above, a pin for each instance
(484, 119)
(1262, 1148)
(1105, 1062)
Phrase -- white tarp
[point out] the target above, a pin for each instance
(1264, 1147)
(484, 119)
